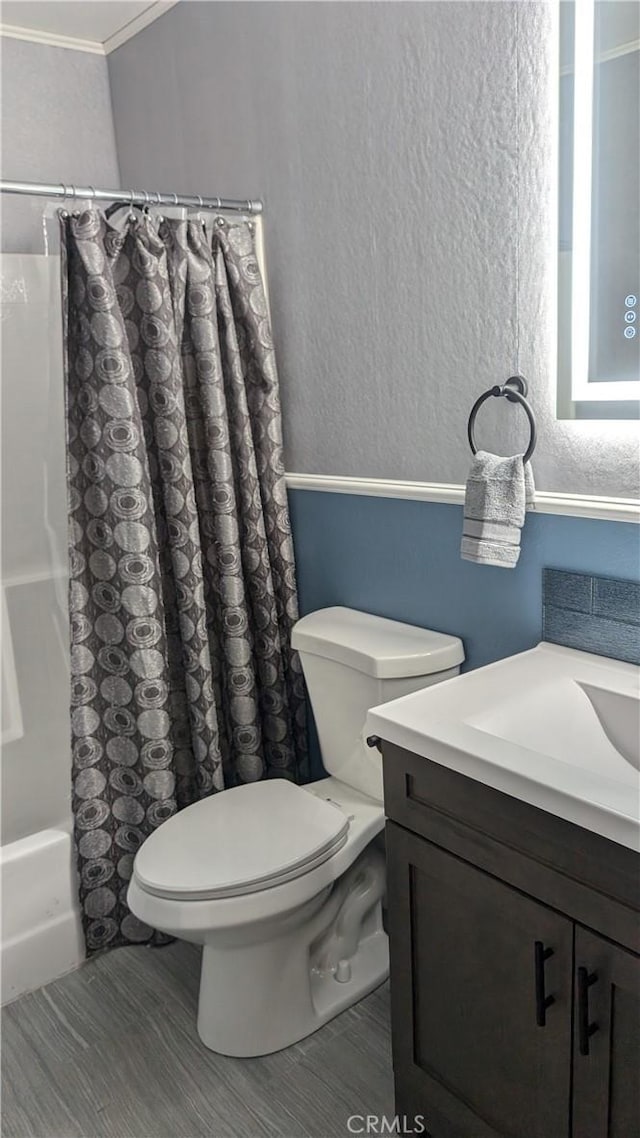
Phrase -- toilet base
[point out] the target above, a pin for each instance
(260, 997)
(288, 1016)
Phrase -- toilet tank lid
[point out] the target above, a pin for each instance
(386, 649)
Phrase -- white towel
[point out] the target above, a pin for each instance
(498, 493)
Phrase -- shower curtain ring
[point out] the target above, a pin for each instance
(175, 198)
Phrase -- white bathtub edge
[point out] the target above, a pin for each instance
(48, 953)
(41, 929)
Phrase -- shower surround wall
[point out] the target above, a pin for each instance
(57, 126)
(40, 923)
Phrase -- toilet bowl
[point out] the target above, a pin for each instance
(283, 885)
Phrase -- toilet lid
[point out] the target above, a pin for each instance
(247, 838)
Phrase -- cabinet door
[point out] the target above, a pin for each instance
(475, 1053)
(606, 1060)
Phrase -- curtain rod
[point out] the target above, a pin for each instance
(129, 197)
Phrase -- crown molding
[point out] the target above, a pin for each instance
(153, 12)
(571, 505)
(50, 39)
(94, 47)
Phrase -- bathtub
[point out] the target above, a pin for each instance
(41, 931)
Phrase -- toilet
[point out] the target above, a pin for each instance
(281, 884)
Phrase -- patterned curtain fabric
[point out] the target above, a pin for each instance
(183, 591)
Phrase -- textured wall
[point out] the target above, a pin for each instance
(404, 153)
(56, 126)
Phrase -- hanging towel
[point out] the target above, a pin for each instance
(499, 491)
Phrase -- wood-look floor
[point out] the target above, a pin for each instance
(111, 1051)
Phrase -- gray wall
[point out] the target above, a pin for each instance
(56, 126)
(404, 155)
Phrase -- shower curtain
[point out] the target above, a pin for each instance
(182, 593)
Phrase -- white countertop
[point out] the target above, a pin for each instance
(528, 727)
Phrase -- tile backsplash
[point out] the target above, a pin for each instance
(593, 614)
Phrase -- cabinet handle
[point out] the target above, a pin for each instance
(542, 1001)
(585, 1029)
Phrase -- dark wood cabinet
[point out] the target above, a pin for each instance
(606, 1039)
(471, 990)
(510, 1017)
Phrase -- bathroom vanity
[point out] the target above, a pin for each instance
(514, 931)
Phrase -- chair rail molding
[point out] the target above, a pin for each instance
(573, 505)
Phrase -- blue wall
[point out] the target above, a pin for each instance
(401, 559)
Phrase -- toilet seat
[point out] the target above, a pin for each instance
(250, 838)
(191, 918)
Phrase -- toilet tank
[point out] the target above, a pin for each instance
(353, 661)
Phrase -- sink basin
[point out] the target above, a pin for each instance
(619, 717)
(555, 727)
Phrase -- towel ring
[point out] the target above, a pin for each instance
(515, 390)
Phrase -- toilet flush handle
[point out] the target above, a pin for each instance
(374, 741)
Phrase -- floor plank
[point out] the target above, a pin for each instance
(112, 1051)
